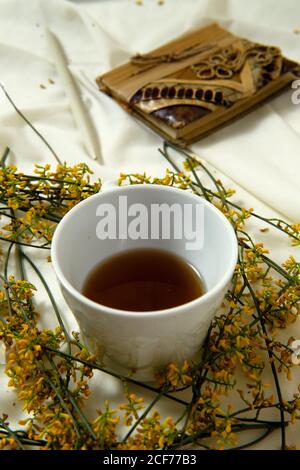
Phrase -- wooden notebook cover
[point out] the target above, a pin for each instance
(198, 82)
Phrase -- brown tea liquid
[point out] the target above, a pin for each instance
(142, 280)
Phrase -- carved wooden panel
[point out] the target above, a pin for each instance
(194, 84)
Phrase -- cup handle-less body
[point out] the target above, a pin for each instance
(133, 343)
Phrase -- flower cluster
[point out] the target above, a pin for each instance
(40, 200)
(171, 178)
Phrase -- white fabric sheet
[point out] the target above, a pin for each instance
(260, 153)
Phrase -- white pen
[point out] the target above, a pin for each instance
(80, 114)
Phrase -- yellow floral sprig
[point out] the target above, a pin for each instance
(53, 385)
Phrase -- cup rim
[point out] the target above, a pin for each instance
(207, 296)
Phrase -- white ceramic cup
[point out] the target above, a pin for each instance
(134, 343)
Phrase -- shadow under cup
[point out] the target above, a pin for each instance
(132, 343)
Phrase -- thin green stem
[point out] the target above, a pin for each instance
(255, 441)
(61, 400)
(270, 354)
(12, 434)
(4, 157)
(74, 403)
(19, 112)
(144, 414)
(9, 240)
(235, 428)
(24, 440)
(8, 253)
(51, 297)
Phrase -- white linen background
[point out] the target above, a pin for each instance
(260, 152)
